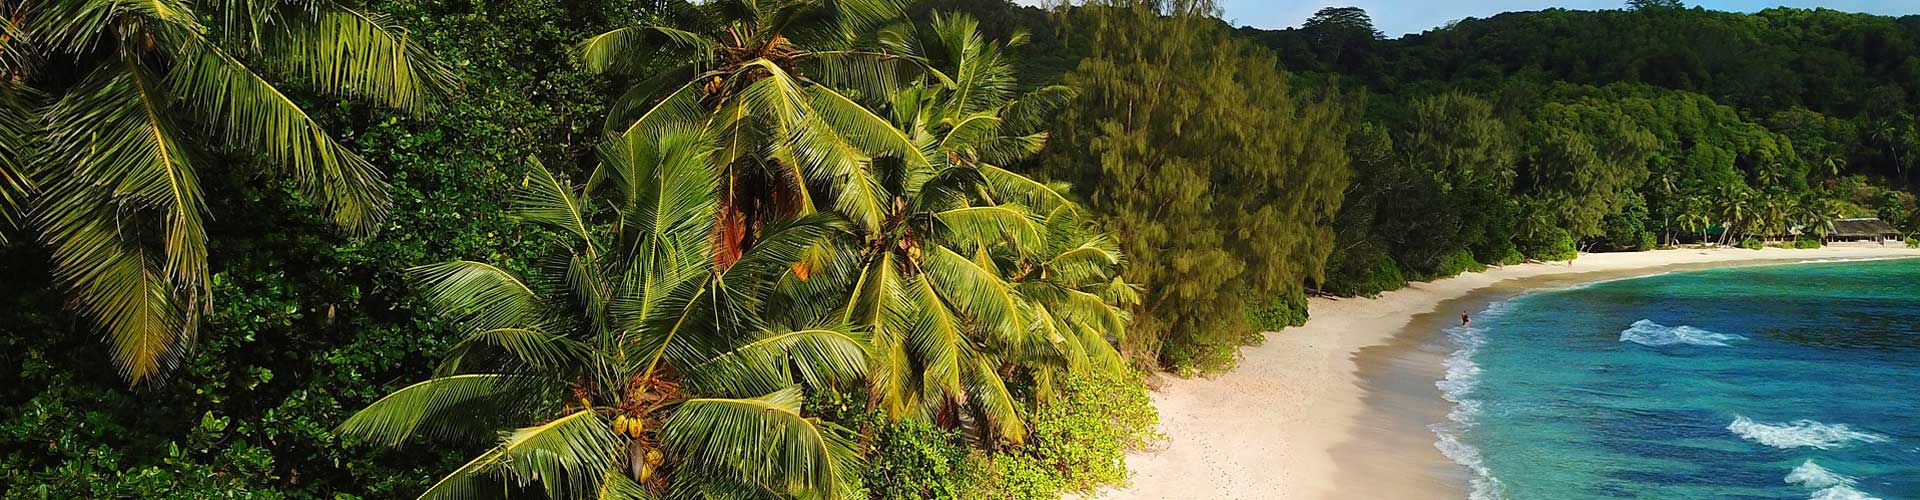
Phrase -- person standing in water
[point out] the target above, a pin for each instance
(1464, 320)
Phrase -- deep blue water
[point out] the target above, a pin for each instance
(1778, 382)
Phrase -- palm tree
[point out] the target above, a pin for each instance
(143, 94)
(1814, 213)
(630, 364)
(769, 81)
(976, 274)
(1736, 209)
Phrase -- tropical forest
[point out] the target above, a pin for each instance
(818, 249)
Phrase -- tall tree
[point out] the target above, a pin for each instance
(1655, 4)
(145, 100)
(1219, 177)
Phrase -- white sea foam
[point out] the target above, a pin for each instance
(1800, 433)
(1648, 333)
(1841, 493)
(1827, 484)
(1485, 486)
(1814, 476)
(1463, 376)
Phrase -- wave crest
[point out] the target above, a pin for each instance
(1800, 433)
(1829, 485)
(1648, 333)
(1841, 493)
(1814, 476)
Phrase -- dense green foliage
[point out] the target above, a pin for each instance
(1610, 130)
(140, 104)
(1218, 174)
(1237, 170)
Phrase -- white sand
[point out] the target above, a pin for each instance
(1267, 429)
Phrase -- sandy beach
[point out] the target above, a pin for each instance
(1338, 408)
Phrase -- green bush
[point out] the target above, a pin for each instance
(1076, 443)
(1913, 242)
(913, 459)
(1752, 244)
(1549, 244)
(1807, 243)
(1278, 313)
(1015, 477)
(1455, 264)
(1363, 272)
(1504, 253)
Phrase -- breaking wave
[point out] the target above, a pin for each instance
(1828, 485)
(1463, 375)
(1648, 333)
(1800, 434)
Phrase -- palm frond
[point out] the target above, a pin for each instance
(254, 116)
(1093, 259)
(548, 201)
(763, 441)
(77, 27)
(19, 125)
(630, 49)
(530, 347)
(125, 156)
(478, 295)
(988, 393)
(991, 225)
(979, 293)
(819, 358)
(648, 94)
(398, 417)
(933, 343)
(1009, 186)
(862, 128)
(478, 478)
(872, 75)
(343, 51)
(569, 455)
(617, 486)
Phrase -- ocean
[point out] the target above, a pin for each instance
(1772, 382)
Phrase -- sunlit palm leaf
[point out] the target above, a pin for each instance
(398, 417)
(548, 201)
(1009, 186)
(991, 225)
(629, 49)
(980, 294)
(478, 295)
(617, 486)
(821, 358)
(873, 75)
(122, 155)
(251, 115)
(763, 441)
(349, 52)
(571, 454)
(530, 347)
(934, 340)
(988, 393)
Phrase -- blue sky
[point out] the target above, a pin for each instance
(1399, 17)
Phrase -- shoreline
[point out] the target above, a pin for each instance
(1339, 408)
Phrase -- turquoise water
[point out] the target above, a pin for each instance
(1777, 382)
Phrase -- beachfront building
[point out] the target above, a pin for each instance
(1862, 229)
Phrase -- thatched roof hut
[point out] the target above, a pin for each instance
(1864, 229)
